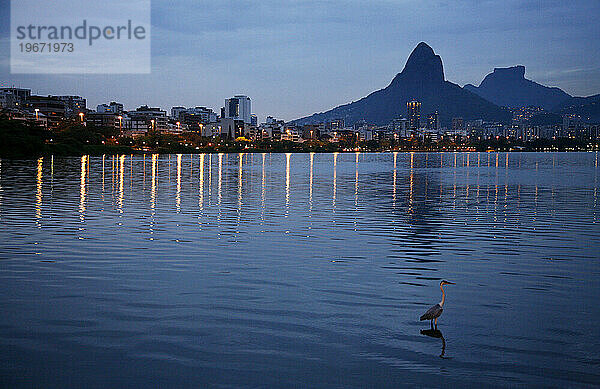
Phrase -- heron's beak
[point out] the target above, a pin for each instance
(451, 283)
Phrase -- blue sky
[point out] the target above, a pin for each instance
(294, 58)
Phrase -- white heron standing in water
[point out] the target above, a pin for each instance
(434, 312)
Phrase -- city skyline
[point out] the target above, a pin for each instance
(279, 56)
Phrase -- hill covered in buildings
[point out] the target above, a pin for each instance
(588, 108)
(422, 79)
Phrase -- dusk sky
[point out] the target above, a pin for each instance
(295, 58)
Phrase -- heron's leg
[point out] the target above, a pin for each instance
(431, 323)
(436, 322)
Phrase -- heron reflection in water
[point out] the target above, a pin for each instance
(434, 312)
(436, 334)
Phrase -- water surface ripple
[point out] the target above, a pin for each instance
(299, 270)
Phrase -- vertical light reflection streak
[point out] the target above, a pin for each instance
(219, 194)
(496, 202)
(394, 180)
(596, 188)
(209, 179)
(169, 169)
(112, 175)
(82, 188)
(478, 188)
(454, 182)
(505, 207)
(356, 184)
(201, 189)
(178, 193)
(130, 173)
(411, 184)
(356, 192)
(310, 188)
(51, 181)
(287, 183)
(121, 179)
(240, 178)
(153, 194)
(38, 194)
(103, 157)
(335, 155)
(487, 194)
(263, 191)
(496, 191)
(468, 174)
(595, 198)
(220, 179)
(153, 185)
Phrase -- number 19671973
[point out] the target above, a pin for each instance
(58, 47)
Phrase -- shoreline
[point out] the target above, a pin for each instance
(150, 153)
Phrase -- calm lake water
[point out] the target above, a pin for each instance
(300, 270)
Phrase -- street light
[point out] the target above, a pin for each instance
(178, 124)
(120, 123)
(37, 110)
(152, 124)
(81, 116)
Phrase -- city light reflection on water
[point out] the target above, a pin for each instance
(298, 266)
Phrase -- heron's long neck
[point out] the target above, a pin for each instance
(443, 296)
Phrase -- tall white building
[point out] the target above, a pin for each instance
(14, 97)
(238, 108)
(73, 104)
(113, 107)
(176, 111)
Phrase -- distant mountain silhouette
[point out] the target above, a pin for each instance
(586, 107)
(508, 87)
(422, 79)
